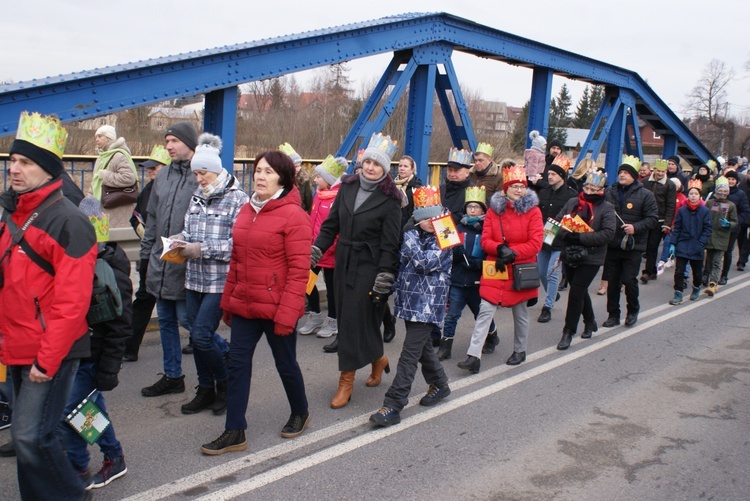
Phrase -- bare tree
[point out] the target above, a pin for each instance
(708, 99)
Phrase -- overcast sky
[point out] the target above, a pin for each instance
(669, 43)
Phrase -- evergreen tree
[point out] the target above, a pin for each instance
(559, 115)
(595, 101)
(277, 93)
(583, 115)
(518, 138)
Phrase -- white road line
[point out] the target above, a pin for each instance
(286, 470)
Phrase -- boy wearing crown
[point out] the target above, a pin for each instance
(485, 172)
(421, 293)
(48, 254)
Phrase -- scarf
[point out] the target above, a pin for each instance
(104, 158)
(702, 177)
(475, 222)
(218, 183)
(258, 204)
(366, 187)
(402, 184)
(693, 206)
(585, 207)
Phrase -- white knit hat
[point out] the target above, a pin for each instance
(107, 131)
(206, 155)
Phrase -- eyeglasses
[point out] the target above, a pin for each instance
(517, 187)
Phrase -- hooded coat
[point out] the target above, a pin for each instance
(119, 172)
(491, 179)
(368, 244)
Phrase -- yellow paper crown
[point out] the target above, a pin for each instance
(160, 154)
(426, 196)
(711, 164)
(660, 164)
(461, 157)
(333, 167)
(695, 183)
(562, 161)
(485, 148)
(287, 149)
(476, 194)
(632, 161)
(384, 143)
(45, 132)
(514, 174)
(101, 227)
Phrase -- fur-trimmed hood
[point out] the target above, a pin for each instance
(387, 186)
(499, 202)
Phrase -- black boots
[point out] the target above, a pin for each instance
(471, 364)
(444, 353)
(333, 346)
(204, 399)
(490, 342)
(588, 329)
(567, 337)
(220, 402)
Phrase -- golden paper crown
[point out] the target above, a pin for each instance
(596, 178)
(426, 196)
(333, 167)
(562, 161)
(660, 164)
(485, 148)
(45, 132)
(360, 154)
(384, 143)
(476, 194)
(514, 174)
(711, 164)
(461, 157)
(695, 183)
(101, 227)
(287, 149)
(160, 154)
(632, 161)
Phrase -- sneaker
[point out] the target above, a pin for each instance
(740, 266)
(129, 357)
(545, 316)
(296, 425)
(315, 322)
(85, 478)
(204, 398)
(435, 395)
(677, 299)
(165, 386)
(229, 441)
(386, 417)
(112, 469)
(329, 328)
(5, 415)
(696, 294)
(723, 280)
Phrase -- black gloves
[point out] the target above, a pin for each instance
(381, 289)
(315, 255)
(505, 255)
(105, 381)
(571, 237)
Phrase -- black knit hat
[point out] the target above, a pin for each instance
(731, 173)
(629, 169)
(559, 171)
(43, 158)
(554, 142)
(675, 159)
(185, 132)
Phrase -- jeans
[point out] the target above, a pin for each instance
(665, 248)
(547, 260)
(172, 314)
(204, 314)
(143, 306)
(417, 349)
(459, 297)
(621, 267)
(43, 470)
(245, 336)
(579, 300)
(486, 312)
(75, 446)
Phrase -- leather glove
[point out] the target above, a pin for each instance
(500, 266)
(571, 237)
(227, 318)
(666, 229)
(105, 381)
(378, 299)
(724, 223)
(383, 282)
(671, 250)
(505, 254)
(191, 250)
(282, 330)
(315, 255)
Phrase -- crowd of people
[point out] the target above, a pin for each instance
(252, 261)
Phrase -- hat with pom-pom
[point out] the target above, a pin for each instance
(207, 152)
(538, 142)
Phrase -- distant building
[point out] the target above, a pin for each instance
(491, 119)
(160, 118)
(95, 123)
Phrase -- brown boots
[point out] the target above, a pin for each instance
(344, 392)
(377, 371)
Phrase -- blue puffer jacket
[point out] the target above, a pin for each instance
(691, 232)
(423, 278)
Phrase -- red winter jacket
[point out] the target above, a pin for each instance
(321, 207)
(270, 263)
(43, 317)
(524, 231)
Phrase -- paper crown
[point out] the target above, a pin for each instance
(333, 167)
(695, 183)
(722, 181)
(383, 143)
(711, 164)
(287, 149)
(160, 154)
(46, 132)
(562, 161)
(426, 196)
(485, 148)
(632, 161)
(461, 157)
(660, 164)
(596, 178)
(514, 174)
(360, 154)
(476, 194)
(101, 227)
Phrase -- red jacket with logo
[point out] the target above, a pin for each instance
(43, 317)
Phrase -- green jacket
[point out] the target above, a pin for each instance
(720, 236)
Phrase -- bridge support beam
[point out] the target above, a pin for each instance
(219, 117)
(541, 91)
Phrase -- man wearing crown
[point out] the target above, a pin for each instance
(46, 276)
(665, 194)
(485, 172)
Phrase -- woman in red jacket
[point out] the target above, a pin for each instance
(512, 235)
(264, 294)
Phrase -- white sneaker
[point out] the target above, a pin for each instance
(329, 329)
(303, 320)
(315, 322)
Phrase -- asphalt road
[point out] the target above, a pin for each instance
(660, 410)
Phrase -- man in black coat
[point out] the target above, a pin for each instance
(665, 194)
(636, 210)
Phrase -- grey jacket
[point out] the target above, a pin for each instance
(170, 197)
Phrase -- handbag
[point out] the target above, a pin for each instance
(525, 277)
(117, 197)
(574, 254)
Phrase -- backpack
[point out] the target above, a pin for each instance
(106, 302)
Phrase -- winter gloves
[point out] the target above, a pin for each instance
(381, 289)
(724, 223)
(315, 255)
(505, 255)
(572, 238)
(105, 381)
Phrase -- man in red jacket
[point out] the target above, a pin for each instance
(48, 253)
